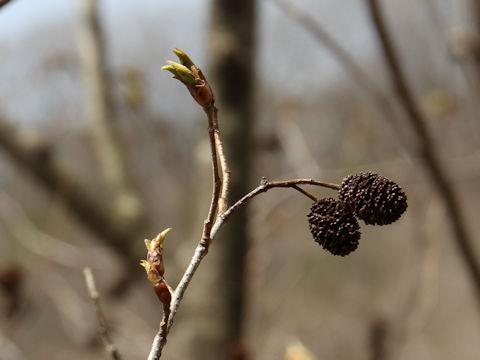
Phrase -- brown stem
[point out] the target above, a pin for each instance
(223, 218)
(202, 248)
(427, 148)
(304, 192)
(217, 182)
(102, 323)
(226, 173)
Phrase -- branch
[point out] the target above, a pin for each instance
(348, 62)
(226, 173)
(102, 324)
(192, 77)
(202, 249)
(101, 113)
(211, 112)
(35, 160)
(26, 233)
(306, 20)
(223, 218)
(433, 163)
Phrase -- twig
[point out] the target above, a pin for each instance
(102, 324)
(304, 192)
(226, 174)
(223, 218)
(217, 182)
(433, 164)
(202, 249)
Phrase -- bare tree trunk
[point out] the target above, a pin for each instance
(232, 64)
(101, 114)
(231, 49)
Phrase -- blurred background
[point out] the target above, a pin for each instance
(100, 149)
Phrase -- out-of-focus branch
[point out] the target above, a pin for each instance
(102, 323)
(306, 20)
(427, 148)
(350, 65)
(4, 2)
(27, 234)
(35, 161)
(460, 45)
(101, 114)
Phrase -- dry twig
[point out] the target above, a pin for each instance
(202, 249)
(102, 324)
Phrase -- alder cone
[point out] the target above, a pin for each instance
(373, 198)
(333, 226)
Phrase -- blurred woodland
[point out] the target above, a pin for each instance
(101, 149)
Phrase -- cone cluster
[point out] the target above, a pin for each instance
(370, 197)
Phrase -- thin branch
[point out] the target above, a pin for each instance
(433, 163)
(226, 173)
(361, 78)
(306, 20)
(223, 218)
(304, 192)
(27, 234)
(217, 182)
(202, 249)
(102, 324)
(161, 337)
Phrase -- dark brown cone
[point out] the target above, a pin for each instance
(374, 199)
(333, 226)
